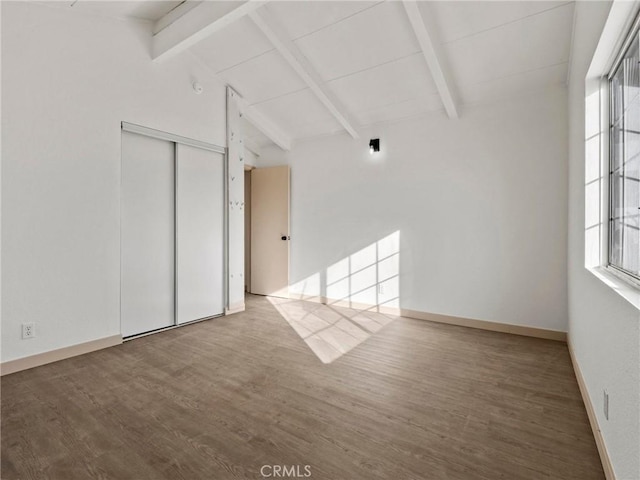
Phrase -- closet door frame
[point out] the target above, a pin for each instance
(178, 139)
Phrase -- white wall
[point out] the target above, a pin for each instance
(604, 329)
(479, 203)
(68, 80)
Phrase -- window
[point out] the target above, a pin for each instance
(624, 162)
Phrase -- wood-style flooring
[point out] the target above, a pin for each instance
(221, 398)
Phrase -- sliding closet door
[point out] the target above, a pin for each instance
(147, 238)
(199, 233)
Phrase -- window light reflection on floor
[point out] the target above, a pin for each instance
(340, 307)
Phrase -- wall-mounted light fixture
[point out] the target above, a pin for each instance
(374, 145)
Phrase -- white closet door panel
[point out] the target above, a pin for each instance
(148, 234)
(200, 233)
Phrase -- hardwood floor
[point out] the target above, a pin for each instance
(222, 398)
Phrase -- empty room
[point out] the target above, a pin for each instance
(335, 240)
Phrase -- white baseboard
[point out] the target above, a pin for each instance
(13, 366)
(487, 325)
(448, 319)
(593, 419)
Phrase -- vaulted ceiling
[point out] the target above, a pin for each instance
(146, 9)
(319, 67)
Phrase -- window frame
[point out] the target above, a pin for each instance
(621, 21)
(607, 146)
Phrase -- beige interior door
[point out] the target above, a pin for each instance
(270, 231)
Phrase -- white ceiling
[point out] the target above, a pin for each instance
(143, 9)
(367, 55)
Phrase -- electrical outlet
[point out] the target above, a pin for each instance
(28, 330)
(605, 405)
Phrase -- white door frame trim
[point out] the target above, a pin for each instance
(152, 132)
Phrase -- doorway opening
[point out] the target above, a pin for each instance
(247, 228)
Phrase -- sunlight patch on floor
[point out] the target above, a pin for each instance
(330, 331)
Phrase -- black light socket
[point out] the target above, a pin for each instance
(374, 145)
